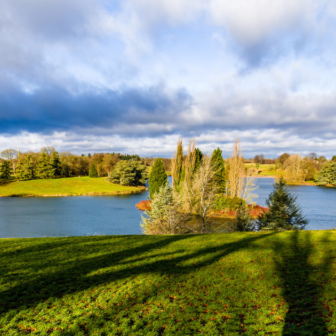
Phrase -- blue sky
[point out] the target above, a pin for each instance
(135, 75)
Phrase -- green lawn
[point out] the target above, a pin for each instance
(224, 284)
(64, 186)
(264, 169)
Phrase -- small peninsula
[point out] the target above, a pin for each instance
(71, 186)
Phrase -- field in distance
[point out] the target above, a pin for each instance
(218, 284)
(263, 169)
(72, 186)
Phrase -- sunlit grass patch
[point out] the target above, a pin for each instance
(64, 187)
(224, 284)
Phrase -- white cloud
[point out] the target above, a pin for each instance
(250, 21)
(270, 142)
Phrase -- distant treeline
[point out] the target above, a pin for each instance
(48, 163)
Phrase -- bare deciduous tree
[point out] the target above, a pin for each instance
(292, 169)
(199, 196)
(236, 174)
(190, 163)
(48, 149)
(11, 155)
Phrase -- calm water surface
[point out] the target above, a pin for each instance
(114, 215)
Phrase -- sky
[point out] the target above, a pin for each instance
(133, 76)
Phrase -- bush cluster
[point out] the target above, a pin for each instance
(229, 203)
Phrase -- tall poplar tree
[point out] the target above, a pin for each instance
(5, 170)
(177, 165)
(217, 163)
(157, 177)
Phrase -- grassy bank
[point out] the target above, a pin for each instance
(225, 284)
(73, 186)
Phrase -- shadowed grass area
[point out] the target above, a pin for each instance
(73, 186)
(223, 284)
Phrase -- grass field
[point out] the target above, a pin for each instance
(64, 187)
(224, 284)
(264, 169)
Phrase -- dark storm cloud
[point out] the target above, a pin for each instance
(55, 109)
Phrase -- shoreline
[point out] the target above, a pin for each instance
(114, 193)
(297, 184)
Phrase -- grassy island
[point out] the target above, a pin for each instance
(72, 186)
(224, 284)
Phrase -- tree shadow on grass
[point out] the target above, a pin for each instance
(302, 286)
(75, 276)
(3, 183)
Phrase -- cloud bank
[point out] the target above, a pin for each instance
(133, 76)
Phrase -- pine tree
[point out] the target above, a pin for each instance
(217, 163)
(44, 168)
(28, 171)
(89, 156)
(19, 171)
(243, 220)
(5, 170)
(334, 158)
(93, 171)
(284, 213)
(157, 177)
(56, 166)
(165, 216)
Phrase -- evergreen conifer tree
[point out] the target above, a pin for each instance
(5, 170)
(334, 158)
(177, 166)
(157, 177)
(89, 156)
(217, 163)
(44, 168)
(93, 171)
(199, 158)
(28, 171)
(284, 213)
(243, 220)
(165, 216)
(55, 164)
(19, 171)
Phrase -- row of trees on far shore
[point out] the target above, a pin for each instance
(48, 163)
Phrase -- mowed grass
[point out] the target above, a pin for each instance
(264, 169)
(64, 187)
(224, 284)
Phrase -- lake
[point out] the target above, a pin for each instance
(117, 215)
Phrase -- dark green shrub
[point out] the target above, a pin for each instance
(5, 170)
(229, 203)
(129, 173)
